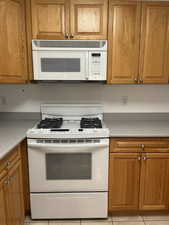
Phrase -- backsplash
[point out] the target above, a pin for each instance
(117, 98)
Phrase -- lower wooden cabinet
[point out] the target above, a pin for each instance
(138, 181)
(2, 202)
(124, 181)
(11, 190)
(14, 196)
(154, 183)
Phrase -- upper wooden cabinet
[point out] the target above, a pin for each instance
(123, 36)
(138, 37)
(88, 19)
(13, 55)
(69, 19)
(49, 19)
(154, 66)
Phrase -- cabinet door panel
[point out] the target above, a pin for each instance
(124, 181)
(49, 19)
(14, 196)
(154, 67)
(2, 202)
(13, 66)
(154, 181)
(89, 19)
(123, 36)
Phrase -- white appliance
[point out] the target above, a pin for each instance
(68, 163)
(70, 60)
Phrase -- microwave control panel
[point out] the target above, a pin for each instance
(97, 65)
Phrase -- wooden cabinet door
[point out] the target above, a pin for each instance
(154, 66)
(14, 196)
(88, 19)
(154, 190)
(123, 41)
(13, 56)
(49, 19)
(2, 201)
(124, 175)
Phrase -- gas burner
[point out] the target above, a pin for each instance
(49, 123)
(90, 123)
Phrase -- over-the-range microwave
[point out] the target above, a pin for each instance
(70, 60)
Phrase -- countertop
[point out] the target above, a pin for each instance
(12, 132)
(138, 128)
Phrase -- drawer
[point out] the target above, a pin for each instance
(139, 145)
(124, 145)
(9, 161)
(155, 145)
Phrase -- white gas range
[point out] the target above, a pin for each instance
(68, 162)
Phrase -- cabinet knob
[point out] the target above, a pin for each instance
(66, 35)
(71, 36)
(141, 81)
(139, 158)
(136, 80)
(144, 158)
(142, 146)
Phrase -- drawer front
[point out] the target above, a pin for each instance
(155, 146)
(139, 145)
(124, 145)
(9, 161)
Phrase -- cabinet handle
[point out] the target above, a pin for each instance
(139, 158)
(136, 80)
(142, 146)
(71, 36)
(144, 158)
(66, 35)
(141, 80)
(8, 181)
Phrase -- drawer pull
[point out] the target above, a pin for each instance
(142, 146)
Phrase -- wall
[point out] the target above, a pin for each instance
(117, 98)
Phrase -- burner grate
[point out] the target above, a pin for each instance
(50, 123)
(90, 123)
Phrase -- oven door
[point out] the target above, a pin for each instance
(68, 167)
(60, 65)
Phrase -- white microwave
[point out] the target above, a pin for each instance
(70, 60)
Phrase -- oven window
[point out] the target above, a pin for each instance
(68, 166)
(60, 65)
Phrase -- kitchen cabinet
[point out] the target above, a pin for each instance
(154, 184)
(139, 174)
(2, 199)
(138, 37)
(13, 55)
(69, 19)
(154, 55)
(11, 189)
(124, 181)
(49, 19)
(123, 40)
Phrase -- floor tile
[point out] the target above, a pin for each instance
(156, 217)
(109, 219)
(126, 218)
(156, 222)
(65, 222)
(68, 222)
(95, 222)
(38, 223)
(129, 223)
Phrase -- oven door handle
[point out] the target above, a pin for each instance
(94, 145)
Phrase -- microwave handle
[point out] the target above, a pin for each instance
(87, 66)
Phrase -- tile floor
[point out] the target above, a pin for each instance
(114, 220)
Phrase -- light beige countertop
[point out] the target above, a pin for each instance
(12, 132)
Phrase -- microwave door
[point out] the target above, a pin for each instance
(60, 65)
